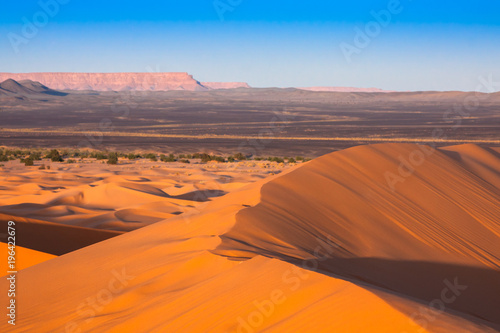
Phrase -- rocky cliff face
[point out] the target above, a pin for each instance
(118, 81)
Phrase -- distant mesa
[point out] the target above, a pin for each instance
(225, 85)
(144, 82)
(345, 89)
(122, 81)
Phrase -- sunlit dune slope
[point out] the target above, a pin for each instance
(439, 221)
(24, 258)
(376, 259)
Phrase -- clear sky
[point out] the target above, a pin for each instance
(414, 45)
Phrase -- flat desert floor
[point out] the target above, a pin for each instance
(252, 121)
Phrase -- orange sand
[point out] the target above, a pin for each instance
(378, 259)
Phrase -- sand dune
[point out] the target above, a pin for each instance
(334, 245)
(123, 197)
(25, 258)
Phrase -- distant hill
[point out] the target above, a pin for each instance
(225, 85)
(344, 89)
(122, 81)
(13, 88)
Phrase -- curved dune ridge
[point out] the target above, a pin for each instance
(379, 238)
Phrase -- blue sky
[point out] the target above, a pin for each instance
(423, 45)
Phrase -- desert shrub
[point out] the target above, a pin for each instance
(54, 156)
(150, 155)
(153, 159)
(28, 162)
(197, 155)
(299, 158)
(184, 161)
(36, 156)
(169, 158)
(101, 156)
(205, 158)
(276, 159)
(258, 158)
(189, 156)
(131, 156)
(218, 158)
(291, 160)
(239, 156)
(230, 159)
(4, 158)
(113, 158)
(70, 161)
(182, 156)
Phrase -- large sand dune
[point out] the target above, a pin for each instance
(354, 241)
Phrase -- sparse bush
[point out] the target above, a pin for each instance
(113, 158)
(70, 161)
(36, 156)
(101, 156)
(299, 158)
(239, 156)
(230, 159)
(184, 161)
(169, 158)
(131, 156)
(275, 159)
(205, 158)
(28, 162)
(4, 158)
(54, 156)
(291, 160)
(258, 158)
